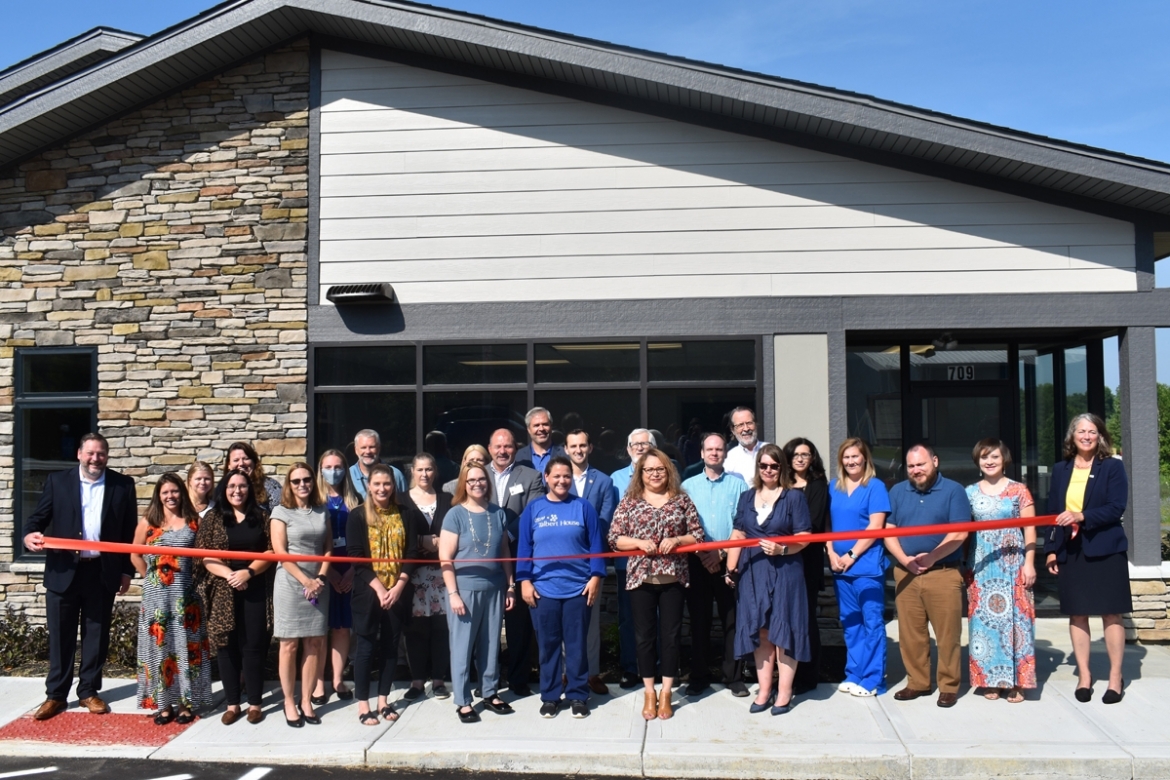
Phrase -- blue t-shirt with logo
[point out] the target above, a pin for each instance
(549, 529)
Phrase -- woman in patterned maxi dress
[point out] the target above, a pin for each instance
(1002, 616)
(174, 676)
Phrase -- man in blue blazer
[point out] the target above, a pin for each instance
(597, 489)
(540, 448)
(91, 503)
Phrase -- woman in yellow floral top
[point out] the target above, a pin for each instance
(380, 528)
(656, 516)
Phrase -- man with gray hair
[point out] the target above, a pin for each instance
(540, 448)
(367, 445)
(638, 443)
(741, 459)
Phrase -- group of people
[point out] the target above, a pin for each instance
(436, 569)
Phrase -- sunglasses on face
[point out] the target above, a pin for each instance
(302, 481)
(769, 467)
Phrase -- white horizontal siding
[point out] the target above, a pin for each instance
(456, 189)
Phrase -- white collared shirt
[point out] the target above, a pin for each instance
(501, 478)
(579, 482)
(743, 462)
(93, 494)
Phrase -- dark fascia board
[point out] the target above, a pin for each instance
(231, 31)
(63, 60)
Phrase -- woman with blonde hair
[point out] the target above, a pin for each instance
(300, 600)
(201, 487)
(475, 453)
(858, 501)
(478, 594)
(656, 516)
(335, 487)
(1086, 548)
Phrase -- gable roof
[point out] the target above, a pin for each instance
(214, 40)
(64, 59)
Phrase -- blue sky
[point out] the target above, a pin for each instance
(1078, 70)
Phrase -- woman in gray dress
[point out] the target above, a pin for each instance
(300, 600)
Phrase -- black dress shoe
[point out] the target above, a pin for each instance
(296, 724)
(320, 701)
(345, 694)
(498, 705)
(312, 720)
(413, 693)
(521, 691)
(738, 689)
(697, 689)
(630, 681)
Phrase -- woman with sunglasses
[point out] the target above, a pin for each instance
(656, 516)
(771, 605)
(300, 598)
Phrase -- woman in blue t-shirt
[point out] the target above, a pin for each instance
(560, 592)
(859, 501)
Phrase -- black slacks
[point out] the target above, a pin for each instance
(657, 608)
(707, 588)
(390, 622)
(247, 646)
(518, 628)
(88, 604)
(428, 648)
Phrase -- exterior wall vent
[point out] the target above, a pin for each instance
(360, 293)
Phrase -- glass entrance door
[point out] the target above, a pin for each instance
(952, 419)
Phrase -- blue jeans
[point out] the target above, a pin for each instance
(562, 622)
(861, 603)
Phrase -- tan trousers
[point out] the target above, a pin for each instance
(935, 598)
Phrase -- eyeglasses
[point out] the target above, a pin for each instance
(656, 471)
(741, 426)
(769, 467)
(801, 455)
(478, 481)
(639, 445)
(302, 481)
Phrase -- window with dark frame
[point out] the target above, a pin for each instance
(55, 405)
(405, 391)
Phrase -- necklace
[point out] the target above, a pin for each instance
(475, 540)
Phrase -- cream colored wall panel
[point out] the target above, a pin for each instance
(802, 390)
(517, 116)
(728, 285)
(338, 267)
(340, 206)
(683, 242)
(428, 177)
(599, 136)
(423, 98)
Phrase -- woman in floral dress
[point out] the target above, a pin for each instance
(174, 676)
(1002, 612)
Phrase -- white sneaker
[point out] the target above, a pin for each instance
(849, 687)
(859, 691)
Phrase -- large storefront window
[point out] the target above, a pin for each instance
(679, 387)
(874, 404)
(56, 404)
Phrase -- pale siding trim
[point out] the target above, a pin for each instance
(802, 390)
(456, 189)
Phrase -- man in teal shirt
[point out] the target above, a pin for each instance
(715, 493)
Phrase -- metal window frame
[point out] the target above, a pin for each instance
(644, 385)
(23, 401)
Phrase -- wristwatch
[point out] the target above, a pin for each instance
(850, 554)
(783, 549)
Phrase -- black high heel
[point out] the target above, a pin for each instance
(758, 708)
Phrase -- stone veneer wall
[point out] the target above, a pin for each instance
(173, 240)
(1150, 619)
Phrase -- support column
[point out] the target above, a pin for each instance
(838, 399)
(1139, 431)
(802, 389)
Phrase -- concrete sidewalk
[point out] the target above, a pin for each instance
(826, 735)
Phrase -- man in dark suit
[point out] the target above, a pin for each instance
(513, 486)
(597, 489)
(91, 503)
(540, 447)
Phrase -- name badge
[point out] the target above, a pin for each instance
(515, 490)
(338, 541)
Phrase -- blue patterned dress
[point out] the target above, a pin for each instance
(174, 665)
(1002, 616)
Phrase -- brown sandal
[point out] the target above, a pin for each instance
(1015, 696)
(650, 707)
(991, 694)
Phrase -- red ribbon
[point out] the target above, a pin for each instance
(54, 543)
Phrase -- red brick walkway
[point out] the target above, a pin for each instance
(82, 728)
